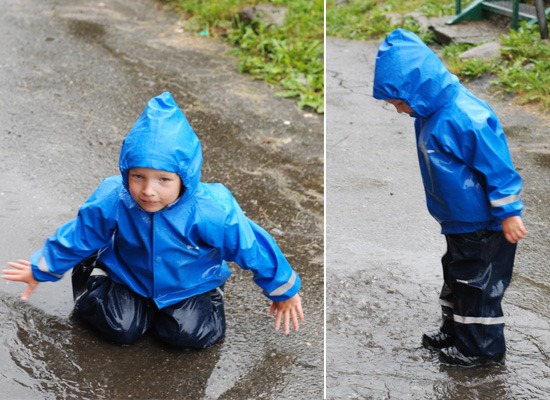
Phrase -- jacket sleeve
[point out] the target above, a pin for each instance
(81, 237)
(247, 244)
(481, 144)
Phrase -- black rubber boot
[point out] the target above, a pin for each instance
(451, 356)
(437, 340)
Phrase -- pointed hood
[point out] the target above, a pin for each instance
(162, 139)
(406, 69)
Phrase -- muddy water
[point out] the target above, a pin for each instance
(74, 76)
(383, 252)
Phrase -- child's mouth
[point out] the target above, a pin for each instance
(148, 203)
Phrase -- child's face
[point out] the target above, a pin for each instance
(401, 106)
(153, 189)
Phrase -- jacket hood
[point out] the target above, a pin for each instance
(406, 69)
(162, 139)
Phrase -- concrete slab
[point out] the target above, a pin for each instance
(470, 32)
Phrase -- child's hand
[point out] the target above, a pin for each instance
(513, 229)
(286, 311)
(21, 272)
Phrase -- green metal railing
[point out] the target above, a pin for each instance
(516, 10)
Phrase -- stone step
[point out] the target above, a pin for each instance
(506, 8)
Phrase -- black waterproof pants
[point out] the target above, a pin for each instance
(122, 316)
(477, 269)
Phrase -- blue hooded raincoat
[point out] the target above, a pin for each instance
(177, 252)
(469, 179)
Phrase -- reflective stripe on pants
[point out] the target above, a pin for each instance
(477, 269)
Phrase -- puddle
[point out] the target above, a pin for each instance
(89, 31)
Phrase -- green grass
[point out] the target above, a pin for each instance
(368, 19)
(290, 57)
(466, 69)
(523, 68)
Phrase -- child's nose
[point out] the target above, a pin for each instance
(148, 188)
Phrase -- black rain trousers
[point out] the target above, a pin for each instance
(122, 316)
(477, 269)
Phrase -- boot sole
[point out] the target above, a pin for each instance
(483, 362)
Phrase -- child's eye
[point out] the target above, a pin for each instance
(137, 176)
(165, 180)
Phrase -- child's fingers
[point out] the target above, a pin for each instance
(20, 264)
(298, 307)
(27, 293)
(11, 274)
(278, 317)
(514, 236)
(287, 315)
(295, 323)
(287, 323)
(300, 311)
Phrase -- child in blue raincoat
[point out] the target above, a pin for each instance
(472, 190)
(155, 241)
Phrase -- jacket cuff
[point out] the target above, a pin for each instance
(278, 295)
(40, 269)
(510, 214)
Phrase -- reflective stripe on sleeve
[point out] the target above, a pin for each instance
(283, 288)
(43, 266)
(505, 200)
(478, 320)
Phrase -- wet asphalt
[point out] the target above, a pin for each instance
(74, 76)
(384, 249)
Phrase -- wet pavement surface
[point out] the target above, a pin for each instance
(74, 76)
(383, 251)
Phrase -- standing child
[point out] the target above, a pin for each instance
(472, 190)
(155, 241)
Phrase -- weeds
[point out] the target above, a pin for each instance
(360, 19)
(466, 69)
(522, 69)
(525, 68)
(289, 56)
